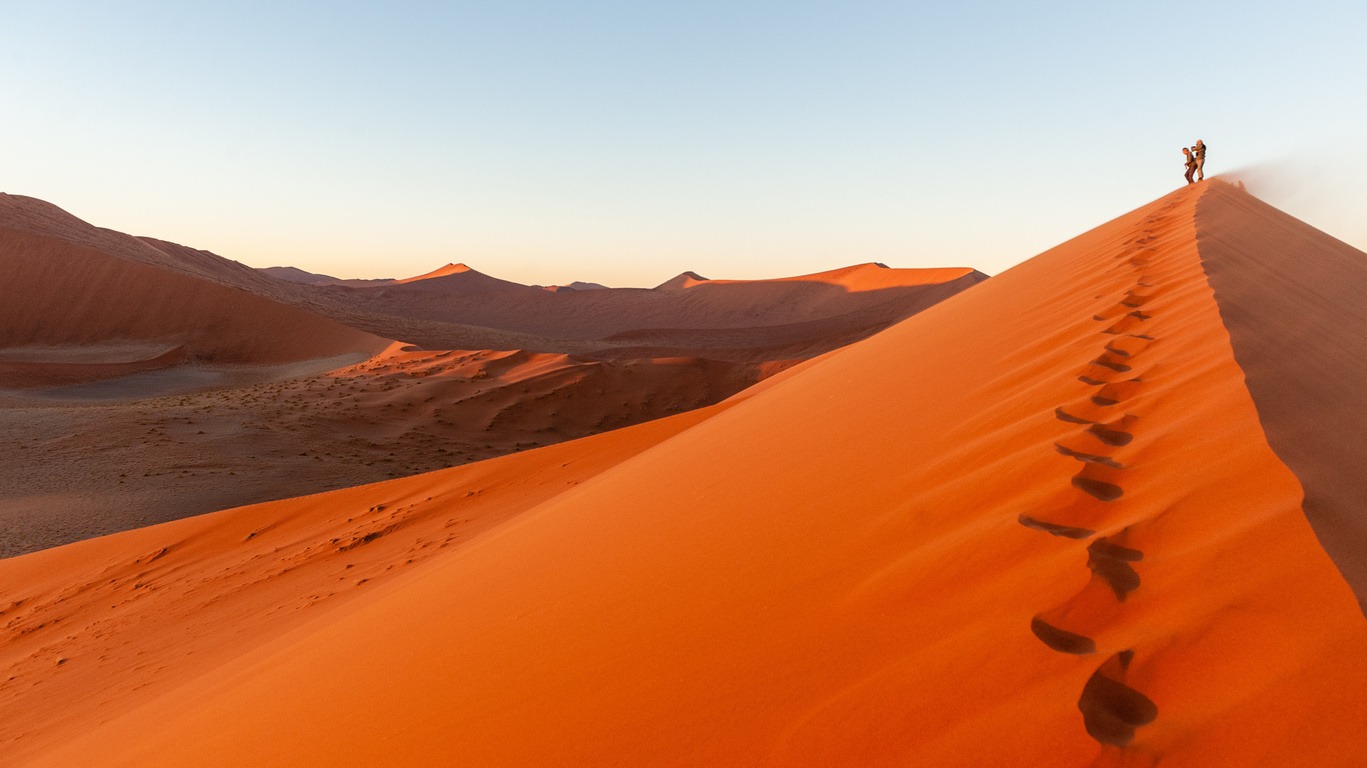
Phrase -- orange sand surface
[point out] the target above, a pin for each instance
(1038, 524)
(200, 591)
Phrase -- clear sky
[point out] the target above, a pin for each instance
(624, 142)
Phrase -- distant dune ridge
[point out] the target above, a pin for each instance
(296, 275)
(809, 314)
(744, 321)
(143, 381)
(100, 287)
(1056, 520)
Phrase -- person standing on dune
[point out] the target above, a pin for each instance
(1199, 151)
(1191, 164)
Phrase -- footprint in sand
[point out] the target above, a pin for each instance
(1136, 299)
(1126, 306)
(1055, 529)
(1089, 457)
(1063, 415)
(1112, 563)
(1062, 640)
(1117, 392)
(1128, 346)
(1111, 710)
(1101, 489)
(1111, 361)
(1115, 433)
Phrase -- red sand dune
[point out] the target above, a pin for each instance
(296, 275)
(449, 269)
(1038, 524)
(100, 287)
(143, 381)
(740, 320)
(860, 277)
(693, 304)
(64, 366)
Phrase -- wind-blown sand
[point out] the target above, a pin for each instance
(1036, 524)
(1293, 298)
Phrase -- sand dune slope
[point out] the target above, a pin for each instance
(1038, 524)
(68, 284)
(95, 626)
(1295, 302)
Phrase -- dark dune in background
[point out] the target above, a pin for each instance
(143, 381)
(740, 321)
(70, 285)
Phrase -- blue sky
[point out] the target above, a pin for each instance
(625, 142)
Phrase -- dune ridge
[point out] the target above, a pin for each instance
(1036, 524)
(456, 306)
(101, 286)
(443, 271)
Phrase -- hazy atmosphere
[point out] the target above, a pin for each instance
(621, 143)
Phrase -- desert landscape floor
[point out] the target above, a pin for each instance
(100, 457)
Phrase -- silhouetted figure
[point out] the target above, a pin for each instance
(1199, 151)
(1191, 164)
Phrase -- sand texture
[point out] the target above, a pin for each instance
(1039, 523)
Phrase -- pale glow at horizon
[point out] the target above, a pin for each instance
(550, 142)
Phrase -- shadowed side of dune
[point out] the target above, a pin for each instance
(63, 294)
(1292, 300)
(72, 286)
